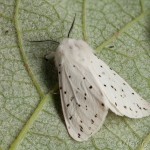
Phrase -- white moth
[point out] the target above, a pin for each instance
(88, 88)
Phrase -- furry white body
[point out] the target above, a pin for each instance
(88, 88)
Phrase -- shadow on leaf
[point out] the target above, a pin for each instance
(51, 76)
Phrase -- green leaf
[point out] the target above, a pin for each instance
(30, 111)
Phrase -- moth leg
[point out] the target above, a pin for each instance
(49, 56)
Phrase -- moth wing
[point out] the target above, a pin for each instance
(82, 101)
(122, 99)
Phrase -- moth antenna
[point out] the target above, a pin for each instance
(71, 26)
(46, 41)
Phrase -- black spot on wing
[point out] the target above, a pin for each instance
(86, 107)
(95, 116)
(70, 117)
(81, 128)
(90, 87)
(113, 87)
(103, 104)
(139, 106)
(79, 135)
(125, 107)
(92, 121)
(78, 105)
